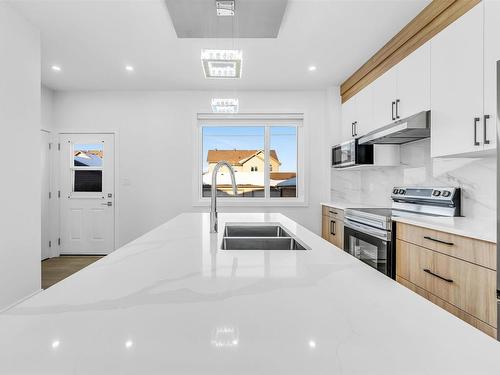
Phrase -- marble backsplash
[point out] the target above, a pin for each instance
(476, 177)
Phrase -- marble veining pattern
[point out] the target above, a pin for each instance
(476, 177)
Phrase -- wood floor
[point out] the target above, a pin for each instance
(57, 269)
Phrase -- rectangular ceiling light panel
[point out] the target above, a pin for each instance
(225, 105)
(221, 64)
(225, 8)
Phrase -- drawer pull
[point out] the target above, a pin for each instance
(333, 212)
(435, 240)
(439, 277)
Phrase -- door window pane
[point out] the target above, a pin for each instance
(87, 155)
(283, 161)
(87, 181)
(243, 148)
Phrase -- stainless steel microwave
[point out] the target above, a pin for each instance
(351, 153)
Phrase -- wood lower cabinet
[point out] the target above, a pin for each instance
(447, 275)
(333, 226)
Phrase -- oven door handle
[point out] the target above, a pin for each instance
(378, 233)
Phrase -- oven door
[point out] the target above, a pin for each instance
(344, 155)
(370, 245)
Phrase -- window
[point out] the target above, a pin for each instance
(87, 167)
(265, 157)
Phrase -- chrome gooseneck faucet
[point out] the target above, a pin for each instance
(213, 203)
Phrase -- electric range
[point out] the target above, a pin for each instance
(369, 232)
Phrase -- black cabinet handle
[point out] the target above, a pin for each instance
(332, 228)
(485, 120)
(392, 112)
(355, 128)
(397, 108)
(352, 129)
(436, 240)
(436, 275)
(476, 120)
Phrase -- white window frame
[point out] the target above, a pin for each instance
(263, 120)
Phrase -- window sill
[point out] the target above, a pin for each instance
(255, 202)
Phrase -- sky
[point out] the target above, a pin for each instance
(282, 139)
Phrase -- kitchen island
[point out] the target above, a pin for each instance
(172, 302)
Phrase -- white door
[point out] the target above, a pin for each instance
(46, 195)
(457, 86)
(384, 99)
(491, 56)
(414, 82)
(87, 204)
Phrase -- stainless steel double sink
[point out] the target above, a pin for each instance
(250, 236)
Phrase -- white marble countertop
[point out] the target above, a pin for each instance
(171, 302)
(342, 205)
(485, 230)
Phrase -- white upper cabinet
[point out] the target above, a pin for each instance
(364, 112)
(404, 90)
(463, 106)
(357, 114)
(414, 83)
(348, 118)
(491, 56)
(384, 99)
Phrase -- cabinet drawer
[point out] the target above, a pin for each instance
(333, 231)
(333, 212)
(471, 250)
(469, 287)
(489, 330)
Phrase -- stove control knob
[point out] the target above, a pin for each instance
(395, 191)
(401, 191)
(436, 193)
(446, 193)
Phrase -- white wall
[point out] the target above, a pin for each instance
(20, 187)
(156, 148)
(47, 108)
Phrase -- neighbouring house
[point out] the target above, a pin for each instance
(249, 169)
(88, 158)
(244, 160)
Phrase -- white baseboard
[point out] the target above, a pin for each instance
(2, 310)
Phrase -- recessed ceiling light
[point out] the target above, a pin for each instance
(225, 105)
(55, 344)
(222, 64)
(129, 344)
(56, 68)
(225, 8)
(312, 68)
(129, 68)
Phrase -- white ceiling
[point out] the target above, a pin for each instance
(92, 40)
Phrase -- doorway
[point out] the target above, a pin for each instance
(45, 161)
(87, 195)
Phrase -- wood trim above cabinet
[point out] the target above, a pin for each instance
(429, 22)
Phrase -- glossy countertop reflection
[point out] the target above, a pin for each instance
(172, 302)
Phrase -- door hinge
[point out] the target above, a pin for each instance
(50, 243)
(50, 195)
(59, 241)
(59, 194)
(59, 146)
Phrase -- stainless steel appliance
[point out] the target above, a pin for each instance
(351, 153)
(369, 232)
(401, 131)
